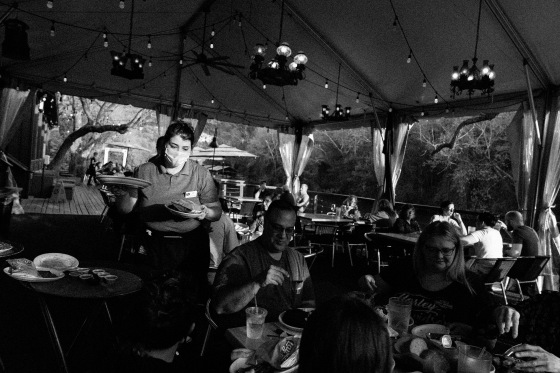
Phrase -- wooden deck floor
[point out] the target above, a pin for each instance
(85, 201)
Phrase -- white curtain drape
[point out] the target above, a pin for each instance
(305, 150)
(11, 101)
(286, 144)
(521, 135)
(548, 228)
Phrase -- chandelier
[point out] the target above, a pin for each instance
(471, 79)
(126, 64)
(278, 71)
(338, 113)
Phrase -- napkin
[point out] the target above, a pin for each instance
(281, 354)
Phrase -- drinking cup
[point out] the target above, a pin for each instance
(338, 212)
(473, 359)
(255, 321)
(399, 314)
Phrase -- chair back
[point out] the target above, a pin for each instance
(491, 269)
(325, 230)
(108, 197)
(528, 268)
(209, 315)
(247, 209)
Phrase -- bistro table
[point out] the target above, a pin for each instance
(74, 288)
(324, 218)
(237, 337)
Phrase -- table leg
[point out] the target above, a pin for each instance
(86, 325)
(53, 334)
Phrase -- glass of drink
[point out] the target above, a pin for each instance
(398, 312)
(255, 321)
(473, 359)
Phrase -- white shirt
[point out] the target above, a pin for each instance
(488, 244)
(450, 220)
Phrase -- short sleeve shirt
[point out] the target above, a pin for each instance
(223, 239)
(249, 260)
(528, 238)
(193, 183)
(490, 243)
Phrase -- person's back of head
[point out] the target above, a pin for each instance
(277, 206)
(515, 218)
(345, 335)
(487, 218)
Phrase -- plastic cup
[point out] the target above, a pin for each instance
(255, 321)
(398, 312)
(473, 359)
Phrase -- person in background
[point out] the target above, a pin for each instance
(350, 208)
(162, 321)
(262, 191)
(449, 215)
(92, 171)
(287, 196)
(385, 216)
(108, 168)
(173, 242)
(265, 271)
(345, 335)
(525, 241)
(437, 284)
(303, 199)
(406, 222)
(486, 240)
(160, 149)
(223, 239)
(257, 226)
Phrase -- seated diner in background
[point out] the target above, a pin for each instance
(384, 216)
(406, 223)
(436, 282)
(262, 192)
(108, 168)
(257, 226)
(524, 239)
(486, 241)
(344, 334)
(265, 271)
(303, 198)
(449, 215)
(350, 208)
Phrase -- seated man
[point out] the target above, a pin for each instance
(266, 270)
(486, 240)
(525, 241)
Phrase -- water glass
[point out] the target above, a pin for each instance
(255, 317)
(473, 359)
(399, 314)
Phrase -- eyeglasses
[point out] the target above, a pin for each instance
(280, 230)
(435, 250)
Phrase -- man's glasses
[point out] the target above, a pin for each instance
(280, 230)
(435, 250)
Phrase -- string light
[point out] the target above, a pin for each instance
(212, 101)
(358, 98)
(422, 113)
(436, 100)
(327, 84)
(105, 40)
(211, 45)
(121, 4)
(213, 32)
(395, 23)
(149, 42)
(52, 29)
(264, 86)
(50, 4)
(65, 79)
(150, 62)
(447, 110)
(424, 83)
(390, 109)
(180, 61)
(409, 59)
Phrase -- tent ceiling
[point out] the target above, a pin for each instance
(357, 35)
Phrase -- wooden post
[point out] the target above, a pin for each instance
(58, 193)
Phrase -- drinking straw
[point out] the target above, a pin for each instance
(256, 306)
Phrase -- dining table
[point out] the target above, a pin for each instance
(74, 288)
(324, 218)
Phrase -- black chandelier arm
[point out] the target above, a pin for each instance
(477, 29)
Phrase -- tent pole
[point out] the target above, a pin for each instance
(532, 102)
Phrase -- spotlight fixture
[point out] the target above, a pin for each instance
(471, 79)
(339, 113)
(278, 71)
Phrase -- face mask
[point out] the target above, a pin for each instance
(175, 157)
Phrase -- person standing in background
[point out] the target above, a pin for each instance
(262, 191)
(303, 199)
(92, 171)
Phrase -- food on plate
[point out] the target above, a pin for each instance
(183, 205)
(242, 353)
(416, 346)
(22, 265)
(445, 340)
(296, 318)
(435, 362)
(54, 263)
(5, 247)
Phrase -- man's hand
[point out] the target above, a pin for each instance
(367, 283)
(543, 361)
(457, 216)
(274, 276)
(203, 212)
(507, 319)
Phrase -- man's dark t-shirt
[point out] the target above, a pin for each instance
(528, 238)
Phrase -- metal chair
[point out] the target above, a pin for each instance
(355, 239)
(492, 270)
(527, 270)
(108, 199)
(211, 326)
(310, 252)
(327, 235)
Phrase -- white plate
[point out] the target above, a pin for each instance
(57, 261)
(293, 328)
(123, 180)
(423, 330)
(181, 214)
(28, 278)
(242, 363)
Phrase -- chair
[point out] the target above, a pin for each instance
(526, 270)
(211, 326)
(246, 210)
(492, 270)
(355, 239)
(310, 252)
(327, 235)
(108, 199)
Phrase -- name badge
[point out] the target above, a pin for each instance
(191, 194)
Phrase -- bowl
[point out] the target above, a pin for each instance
(75, 274)
(110, 278)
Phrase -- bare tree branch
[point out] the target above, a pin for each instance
(451, 143)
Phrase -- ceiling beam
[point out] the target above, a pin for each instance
(519, 42)
(329, 46)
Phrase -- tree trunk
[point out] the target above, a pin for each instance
(82, 131)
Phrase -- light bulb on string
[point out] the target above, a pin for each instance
(212, 101)
(327, 84)
(264, 86)
(65, 79)
(213, 32)
(150, 62)
(121, 4)
(447, 110)
(50, 4)
(358, 98)
(422, 113)
(409, 59)
(180, 61)
(395, 23)
(149, 42)
(52, 29)
(436, 100)
(390, 109)
(105, 40)
(211, 45)
(424, 83)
